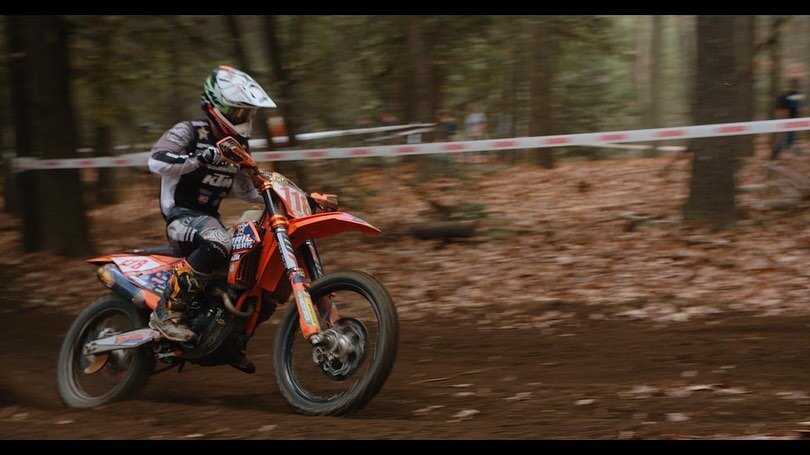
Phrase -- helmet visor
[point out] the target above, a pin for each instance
(237, 115)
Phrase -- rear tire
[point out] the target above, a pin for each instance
(380, 362)
(138, 362)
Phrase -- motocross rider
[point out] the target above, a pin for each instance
(194, 180)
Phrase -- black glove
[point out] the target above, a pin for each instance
(210, 155)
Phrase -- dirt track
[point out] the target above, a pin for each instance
(735, 376)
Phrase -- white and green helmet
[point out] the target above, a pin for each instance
(230, 98)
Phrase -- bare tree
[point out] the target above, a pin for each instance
(712, 186)
(63, 225)
(282, 75)
(655, 86)
(26, 190)
(544, 51)
(744, 39)
(420, 105)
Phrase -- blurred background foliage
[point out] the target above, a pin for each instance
(132, 77)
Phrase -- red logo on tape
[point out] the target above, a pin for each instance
(671, 133)
(612, 137)
(731, 129)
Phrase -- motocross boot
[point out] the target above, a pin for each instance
(184, 283)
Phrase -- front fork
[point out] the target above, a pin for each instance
(308, 316)
(314, 267)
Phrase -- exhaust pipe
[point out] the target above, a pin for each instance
(112, 277)
(115, 280)
(228, 303)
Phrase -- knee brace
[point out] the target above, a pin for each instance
(213, 251)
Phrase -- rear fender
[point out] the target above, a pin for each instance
(137, 278)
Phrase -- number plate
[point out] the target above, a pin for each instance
(294, 199)
(129, 264)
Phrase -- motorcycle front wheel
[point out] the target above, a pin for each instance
(315, 383)
(86, 381)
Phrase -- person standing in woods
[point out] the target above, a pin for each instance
(475, 124)
(446, 125)
(788, 105)
(194, 180)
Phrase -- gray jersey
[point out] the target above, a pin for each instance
(185, 182)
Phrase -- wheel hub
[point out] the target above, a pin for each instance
(96, 362)
(340, 350)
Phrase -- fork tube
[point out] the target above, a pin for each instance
(312, 260)
(308, 316)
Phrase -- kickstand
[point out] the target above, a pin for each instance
(180, 368)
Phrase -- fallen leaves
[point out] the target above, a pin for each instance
(427, 409)
(465, 414)
(677, 417)
(520, 396)
(664, 272)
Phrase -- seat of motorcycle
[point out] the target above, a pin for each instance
(163, 250)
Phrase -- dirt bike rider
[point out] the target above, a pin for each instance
(194, 180)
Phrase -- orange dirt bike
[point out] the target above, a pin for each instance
(333, 350)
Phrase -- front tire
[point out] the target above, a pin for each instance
(297, 375)
(124, 372)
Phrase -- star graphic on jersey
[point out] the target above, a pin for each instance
(202, 133)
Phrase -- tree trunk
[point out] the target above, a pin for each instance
(744, 42)
(285, 101)
(508, 120)
(656, 93)
(712, 187)
(686, 33)
(420, 75)
(26, 188)
(63, 227)
(10, 198)
(776, 63)
(420, 69)
(642, 69)
(236, 41)
(544, 51)
(107, 188)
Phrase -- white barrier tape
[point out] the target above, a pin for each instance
(563, 140)
(658, 148)
(336, 133)
(298, 137)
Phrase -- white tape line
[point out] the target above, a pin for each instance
(658, 148)
(336, 133)
(563, 140)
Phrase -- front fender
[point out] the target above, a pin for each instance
(271, 269)
(326, 224)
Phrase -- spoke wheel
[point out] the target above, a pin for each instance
(86, 381)
(319, 381)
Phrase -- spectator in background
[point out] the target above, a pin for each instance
(787, 106)
(387, 118)
(447, 126)
(475, 124)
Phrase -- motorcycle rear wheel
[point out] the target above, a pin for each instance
(371, 316)
(123, 371)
